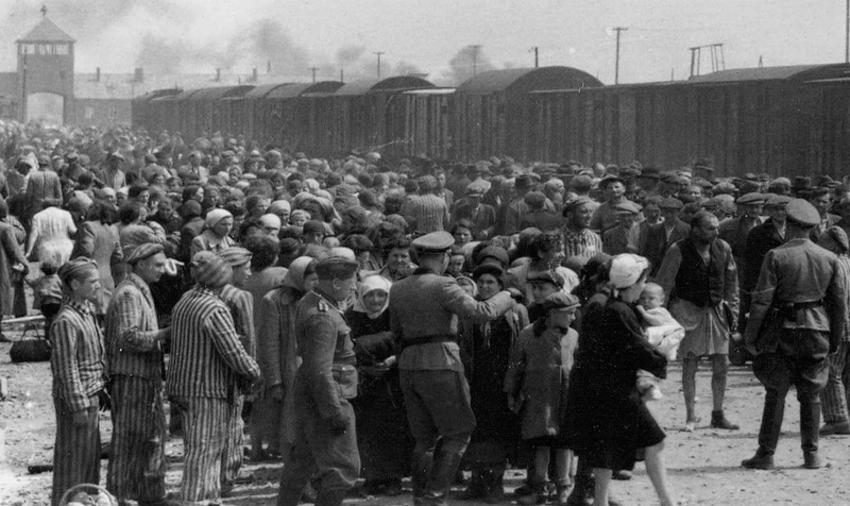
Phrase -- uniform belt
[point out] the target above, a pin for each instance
(789, 309)
(434, 338)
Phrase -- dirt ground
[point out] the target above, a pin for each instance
(703, 466)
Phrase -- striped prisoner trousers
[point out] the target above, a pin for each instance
(231, 459)
(137, 465)
(76, 454)
(835, 398)
(204, 437)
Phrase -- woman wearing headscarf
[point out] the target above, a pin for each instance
(607, 421)
(486, 350)
(277, 353)
(216, 234)
(383, 435)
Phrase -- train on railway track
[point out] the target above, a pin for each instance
(776, 120)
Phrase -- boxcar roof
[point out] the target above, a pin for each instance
(524, 80)
(431, 91)
(263, 90)
(218, 92)
(364, 86)
(791, 72)
(165, 92)
(299, 89)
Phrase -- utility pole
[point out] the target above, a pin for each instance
(341, 76)
(475, 48)
(536, 51)
(847, 33)
(314, 69)
(618, 29)
(378, 54)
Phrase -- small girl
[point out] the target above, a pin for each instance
(47, 290)
(536, 385)
(662, 331)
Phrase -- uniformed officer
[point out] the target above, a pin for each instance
(325, 438)
(735, 231)
(424, 310)
(797, 317)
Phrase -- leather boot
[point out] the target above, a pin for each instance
(419, 473)
(761, 460)
(330, 497)
(494, 490)
(809, 423)
(771, 422)
(476, 488)
(719, 421)
(442, 474)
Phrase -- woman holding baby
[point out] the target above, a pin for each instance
(607, 420)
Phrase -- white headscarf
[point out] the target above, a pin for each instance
(370, 284)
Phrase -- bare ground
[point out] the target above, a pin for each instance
(704, 466)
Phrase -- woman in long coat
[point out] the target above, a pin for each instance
(98, 240)
(277, 354)
(486, 351)
(11, 255)
(17, 209)
(383, 434)
(607, 420)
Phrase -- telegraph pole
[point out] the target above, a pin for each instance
(618, 29)
(314, 69)
(847, 33)
(378, 54)
(475, 48)
(536, 51)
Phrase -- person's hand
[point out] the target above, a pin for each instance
(104, 400)
(164, 334)
(390, 361)
(80, 418)
(277, 392)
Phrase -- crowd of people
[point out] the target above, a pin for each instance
(374, 319)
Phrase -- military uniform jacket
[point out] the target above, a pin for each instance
(327, 375)
(799, 272)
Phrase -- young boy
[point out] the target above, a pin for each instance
(662, 331)
(543, 284)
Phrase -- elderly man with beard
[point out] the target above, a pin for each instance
(700, 275)
(134, 346)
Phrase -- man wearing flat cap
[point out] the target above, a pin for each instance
(625, 237)
(538, 216)
(325, 436)
(482, 216)
(605, 216)
(661, 236)
(424, 310)
(42, 184)
(134, 348)
(208, 368)
(761, 239)
(735, 230)
(797, 319)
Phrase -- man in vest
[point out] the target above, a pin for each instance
(701, 278)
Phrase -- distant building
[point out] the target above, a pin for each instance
(46, 86)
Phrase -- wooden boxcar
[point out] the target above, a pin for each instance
(288, 113)
(491, 114)
(421, 121)
(206, 110)
(141, 111)
(778, 120)
(246, 108)
(359, 110)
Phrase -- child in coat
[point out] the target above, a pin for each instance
(536, 385)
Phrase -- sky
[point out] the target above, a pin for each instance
(432, 36)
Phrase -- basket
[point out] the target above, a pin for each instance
(87, 487)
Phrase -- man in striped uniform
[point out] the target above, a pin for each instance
(325, 436)
(78, 365)
(134, 350)
(241, 306)
(208, 369)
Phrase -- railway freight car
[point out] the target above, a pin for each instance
(288, 114)
(209, 109)
(358, 114)
(422, 123)
(140, 109)
(779, 120)
(491, 113)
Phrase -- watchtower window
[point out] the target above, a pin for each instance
(45, 49)
(27, 48)
(61, 49)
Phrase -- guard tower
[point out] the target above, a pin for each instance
(46, 73)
